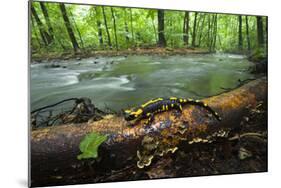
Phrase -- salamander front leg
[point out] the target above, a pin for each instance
(149, 120)
(178, 108)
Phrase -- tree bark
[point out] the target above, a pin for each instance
(114, 28)
(260, 32)
(77, 29)
(44, 35)
(248, 35)
(99, 26)
(161, 26)
(240, 38)
(46, 16)
(54, 150)
(106, 28)
(194, 30)
(215, 32)
(186, 28)
(35, 32)
(69, 28)
(131, 23)
(126, 28)
(201, 30)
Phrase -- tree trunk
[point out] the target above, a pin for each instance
(44, 35)
(213, 33)
(106, 28)
(161, 26)
(209, 33)
(132, 29)
(194, 30)
(114, 28)
(54, 150)
(248, 35)
(35, 32)
(240, 39)
(201, 30)
(77, 29)
(186, 28)
(99, 26)
(260, 32)
(154, 28)
(69, 28)
(46, 16)
(126, 28)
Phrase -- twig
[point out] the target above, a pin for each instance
(258, 136)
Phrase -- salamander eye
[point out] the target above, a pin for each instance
(129, 117)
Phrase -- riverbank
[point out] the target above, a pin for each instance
(39, 57)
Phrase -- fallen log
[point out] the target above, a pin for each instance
(54, 150)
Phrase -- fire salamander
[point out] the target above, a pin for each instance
(150, 108)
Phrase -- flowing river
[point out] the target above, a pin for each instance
(123, 81)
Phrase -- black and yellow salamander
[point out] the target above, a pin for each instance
(154, 106)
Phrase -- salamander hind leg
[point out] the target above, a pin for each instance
(178, 108)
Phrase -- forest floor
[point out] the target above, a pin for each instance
(47, 56)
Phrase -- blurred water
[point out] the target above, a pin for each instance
(119, 82)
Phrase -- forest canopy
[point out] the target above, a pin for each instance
(58, 27)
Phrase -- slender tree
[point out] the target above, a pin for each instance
(131, 23)
(48, 22)
(248, 35)
(215, 29)
(194, 29)
(260, 31)
(240, 39)
(44, 35)
(151, 15)
(99, 26)
(106, 27)
(69, 27)
(186, 28)
(35, 32)
(77, 29)
(126, 28)
(201, 30)
(209, 32)
(161, 34)
(114, 28)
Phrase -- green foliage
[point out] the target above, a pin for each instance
(139, 28)
(90, 144)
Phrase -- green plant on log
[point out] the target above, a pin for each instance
(89, 146)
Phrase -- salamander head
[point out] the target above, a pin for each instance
(132, 114)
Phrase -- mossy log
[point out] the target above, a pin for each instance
(54, 150)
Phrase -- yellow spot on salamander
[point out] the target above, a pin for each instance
(172, 105)
(128, 111)
(173, 98)
(205, 104)
(181, 100)
(184, 100)
(137, 113)
(151, 102)
(197, 101)
(163, 107)
(167, 107)
(190, 100)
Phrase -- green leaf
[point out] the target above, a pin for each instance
(90, 144)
